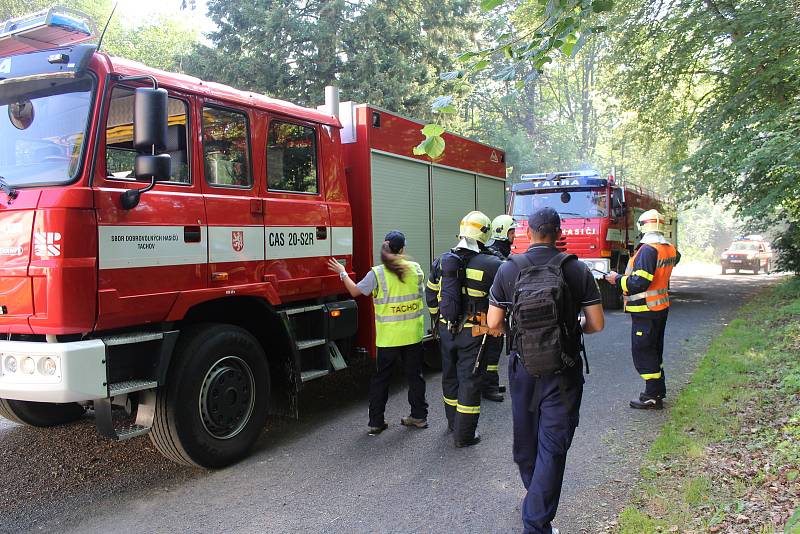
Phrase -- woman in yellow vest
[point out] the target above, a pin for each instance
(396, 287)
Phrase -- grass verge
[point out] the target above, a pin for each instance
(727, 460)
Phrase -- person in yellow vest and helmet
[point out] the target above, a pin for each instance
(645, 289)
(396, 286)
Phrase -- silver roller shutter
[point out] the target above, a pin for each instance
(491, 196)
(453, 197)
(400, 201)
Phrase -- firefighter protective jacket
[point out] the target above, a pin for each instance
(645, 285)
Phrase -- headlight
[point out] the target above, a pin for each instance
(11, 364)
(28, 366)
(47, 366)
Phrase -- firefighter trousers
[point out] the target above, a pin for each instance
(545, 413)
(647, 347)
(492, 353)
(411, 358)
(460, 388)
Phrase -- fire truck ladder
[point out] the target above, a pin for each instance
(318, 355)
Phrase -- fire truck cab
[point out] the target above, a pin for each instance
(163, 241)
(598, 219)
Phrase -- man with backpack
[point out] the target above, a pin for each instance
(543, 292)
(458, 299)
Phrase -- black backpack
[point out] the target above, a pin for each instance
(544, 328)
(453, 268)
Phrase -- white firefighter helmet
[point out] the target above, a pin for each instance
(475, 225)
(500, 227)
(651, 221)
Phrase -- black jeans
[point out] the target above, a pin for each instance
(411, 356)
(647, 346)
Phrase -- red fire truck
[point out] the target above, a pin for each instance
(598, 219)
(163, 242)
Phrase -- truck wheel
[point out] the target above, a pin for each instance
(41, 414)
(736, 271)
(767, 268)
(214, 405)
(611, 296)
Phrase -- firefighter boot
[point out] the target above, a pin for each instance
(646, 402)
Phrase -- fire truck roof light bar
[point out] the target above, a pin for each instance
(560, 175)
(50, 28)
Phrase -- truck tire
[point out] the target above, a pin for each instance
(214, 405)
(40, 414)
(611, 296)
(768, 268)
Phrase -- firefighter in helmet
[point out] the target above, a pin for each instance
(500, 246)
(502, 236)
(457, 296)
(645, 289)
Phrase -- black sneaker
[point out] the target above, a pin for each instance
(375, 430)
(474, 440)
(645, 402)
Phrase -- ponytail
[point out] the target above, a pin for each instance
(393, 261)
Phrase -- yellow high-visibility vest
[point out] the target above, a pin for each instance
(399, 306)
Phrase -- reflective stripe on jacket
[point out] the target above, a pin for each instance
(398, 304)
(655, 295)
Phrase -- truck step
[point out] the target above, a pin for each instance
(135, 337)
(131, 431)
(303, 309)
(310, 343)
(337, 360)
(305, 376)
(130, 386)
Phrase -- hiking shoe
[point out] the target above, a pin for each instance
(413, 421)
(645, 402)
(493, 396)
(375, 430)
(474, 440)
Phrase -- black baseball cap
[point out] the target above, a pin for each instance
(396, 240)
(544, 216)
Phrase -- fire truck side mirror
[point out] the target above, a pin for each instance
(150, 117)
(150, 120)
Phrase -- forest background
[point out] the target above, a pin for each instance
(696, 99)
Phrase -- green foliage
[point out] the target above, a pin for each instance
(705, 230)
(387, 53)
(721, 82)
(787, 246)
(541, 30)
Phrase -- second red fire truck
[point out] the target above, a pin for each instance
(598, 216)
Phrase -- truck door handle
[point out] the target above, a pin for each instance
(191, 234)
(322, 232)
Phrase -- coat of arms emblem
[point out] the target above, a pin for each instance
(237, 240)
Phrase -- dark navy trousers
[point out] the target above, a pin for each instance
(545, 414)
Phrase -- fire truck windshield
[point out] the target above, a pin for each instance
(572, 204)
(43, 122)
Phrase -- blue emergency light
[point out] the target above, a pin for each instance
(51, 28)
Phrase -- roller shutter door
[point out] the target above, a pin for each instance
(453, 197)
(491, 196)
(400, 202)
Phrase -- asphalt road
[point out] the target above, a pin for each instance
(324, 474)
